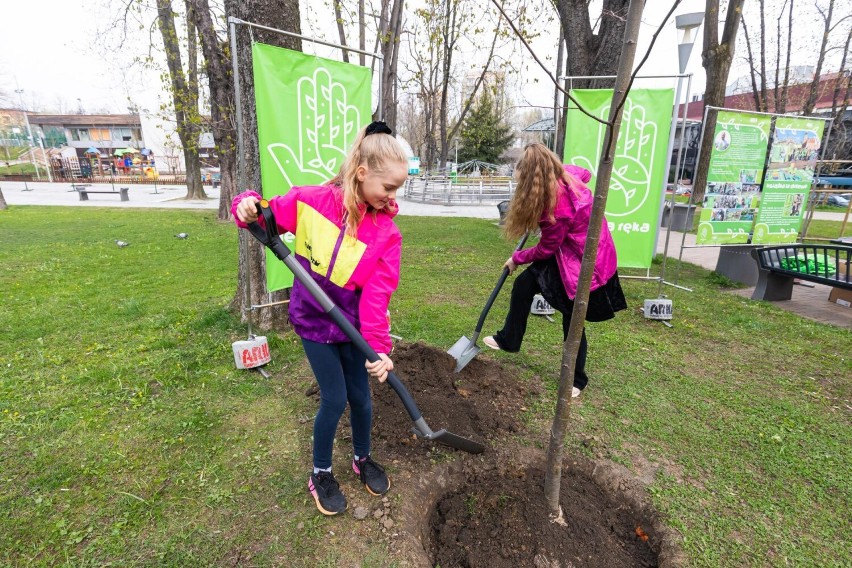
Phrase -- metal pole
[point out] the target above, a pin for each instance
(582, 77)
(810, 214)
(238, 107)
(691, 195)
(233, 20)
(46, 164)
(672, 132)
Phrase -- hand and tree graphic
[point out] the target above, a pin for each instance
(634, 156)
(326, 126)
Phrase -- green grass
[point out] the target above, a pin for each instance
(127, 436)
(12, 152)
(18, 169)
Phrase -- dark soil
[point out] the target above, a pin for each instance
(489, 510)
(482, 402)
(500, 520)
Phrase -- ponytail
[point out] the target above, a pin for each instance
(374, 147)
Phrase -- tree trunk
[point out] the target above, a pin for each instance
(284, 15)
(389, 37)
(553, 476)
(590, 53)
(184, 98)
(716, 58)
(781, 107)
(218, 69)
(813, 92)
(341, 32)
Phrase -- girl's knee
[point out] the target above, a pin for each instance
(334, 405)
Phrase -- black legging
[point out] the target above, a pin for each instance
(510, 337)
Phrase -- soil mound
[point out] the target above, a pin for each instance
(482, 402)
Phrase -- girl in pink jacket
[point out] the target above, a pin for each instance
(555, 199)
(346, 239)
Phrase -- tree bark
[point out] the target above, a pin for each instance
(716, 58)
(341, 32)
(590, 53)
(813, 92)
(221, 86)
(284, 15)
(184, 98)
(553, 476)
(389, 33)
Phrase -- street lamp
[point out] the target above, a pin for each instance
(687, 24)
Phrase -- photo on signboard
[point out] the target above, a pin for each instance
(748, 176)
(794, 154)
(722, 141)
(793, 204)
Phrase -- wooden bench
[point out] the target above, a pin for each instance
(779, 265)
(84, 193)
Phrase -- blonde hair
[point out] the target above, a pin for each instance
(538, 172)
(375, 150)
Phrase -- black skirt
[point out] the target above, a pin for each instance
(603, 302)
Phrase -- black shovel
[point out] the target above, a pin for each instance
(464, 350)
(269, 238)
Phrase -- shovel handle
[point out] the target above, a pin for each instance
(494, 292)
(283, 253)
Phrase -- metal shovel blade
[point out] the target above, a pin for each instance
(453, 440)
(463, 351)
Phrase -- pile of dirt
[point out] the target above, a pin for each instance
(482, 402)
(500, 519)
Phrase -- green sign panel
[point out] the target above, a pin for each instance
(734, 177)
(792, 160)
(309, 110)
(639, 170)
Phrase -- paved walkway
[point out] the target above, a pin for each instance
(808, 302)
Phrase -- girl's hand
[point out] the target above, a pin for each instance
(379, 370)
(510, 264)
(247, 210)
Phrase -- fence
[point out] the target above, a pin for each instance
(459, 191)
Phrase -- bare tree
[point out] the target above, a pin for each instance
(390, 29)
(813, 91)
(716, 58)
(591, 53)
(283, 15)
(218, 70)
(184, 91)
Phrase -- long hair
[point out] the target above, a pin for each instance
(538, 174)
(375, 150)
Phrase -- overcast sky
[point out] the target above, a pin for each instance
(53, 51)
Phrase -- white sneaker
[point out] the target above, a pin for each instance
(490, 342)
(575, 392)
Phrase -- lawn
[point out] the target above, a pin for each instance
(128, 437)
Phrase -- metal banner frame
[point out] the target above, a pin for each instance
(678, 168)
(828, 121)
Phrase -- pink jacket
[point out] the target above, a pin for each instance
(359, 275)
(566, 236)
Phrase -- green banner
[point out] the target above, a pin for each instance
(639, 170)
(734, 176)
(792, 160)
(309, 110)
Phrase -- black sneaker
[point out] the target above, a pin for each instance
(326, 492)
(372, 475)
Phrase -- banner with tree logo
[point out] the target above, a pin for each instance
(635, 194)
(309, 110)
(789, 176)
(734, 178)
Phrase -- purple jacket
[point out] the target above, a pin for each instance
(358, 274)
(566, 236)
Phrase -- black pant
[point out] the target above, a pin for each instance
(510, 337)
